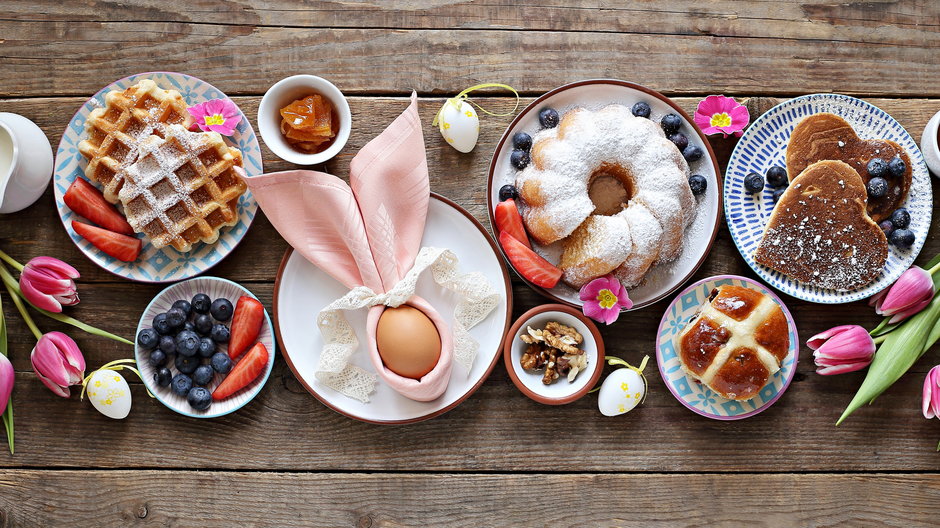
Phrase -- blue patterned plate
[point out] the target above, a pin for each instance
(696, 396)
(765, 145)
(167, 264)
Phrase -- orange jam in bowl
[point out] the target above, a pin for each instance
(309, 124)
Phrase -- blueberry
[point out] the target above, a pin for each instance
(680, 140)
(548, 118)
(221, 309)
(877, 187)
(778, 192)
(184, 306)
(158, 358)
(148, 338)
(521, 141)
(221, 363)
(692, 153)
(877, 168)
(199, 398)
(186, 365)
(203, 375)
(220, 333)
(753, 182)
(887, 227)
(671, 124)
(519, 159)
(777, 176)
(162, 377)
(181, 384)
(187, 343)
(897, 167)
(641, 109)
(206, 347)
(201, 303)
(176, 318)
(203, 324)
(900, 218)
(168, 345)
(507, 192)
(698, 184)
(161, 325)
(902, 238)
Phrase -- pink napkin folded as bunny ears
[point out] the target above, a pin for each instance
(366, 234)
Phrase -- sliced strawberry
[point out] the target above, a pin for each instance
(83, 198)
(121, 247)
(245, 371)
(246, 324)
(509, 220)
(531, 266)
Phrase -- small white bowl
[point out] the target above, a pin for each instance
(285, 92)
(929, 147)
(530, 382)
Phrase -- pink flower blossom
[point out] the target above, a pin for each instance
(58, 362)
(603, 299)
(842, 349)
(910, 294)
(216, 115)
(7, 377)
(719, 114)
(49, 283)
(932, 393)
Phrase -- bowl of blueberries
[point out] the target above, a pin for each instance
(184, 347)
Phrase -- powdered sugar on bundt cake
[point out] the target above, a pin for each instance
(609, 142)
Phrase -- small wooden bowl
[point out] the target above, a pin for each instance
(530, 382)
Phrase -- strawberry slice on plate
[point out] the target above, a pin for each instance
(121, 247)
(509, 220)
(250, 367)
(86, 200)
(529, 264)
(246, 325)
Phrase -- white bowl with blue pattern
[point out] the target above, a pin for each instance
(692, 393)
(166, 264)
(764, 145)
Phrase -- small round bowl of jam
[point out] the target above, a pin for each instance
(304, 119)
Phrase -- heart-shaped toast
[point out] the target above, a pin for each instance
(826, 136)
(819, 233)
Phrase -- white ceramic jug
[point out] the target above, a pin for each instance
(25, 162)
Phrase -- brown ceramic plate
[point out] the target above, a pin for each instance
(699, 237)
(301, 290)
(529, 382)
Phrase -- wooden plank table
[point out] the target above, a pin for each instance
(498, 459)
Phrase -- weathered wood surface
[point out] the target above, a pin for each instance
(187, 498)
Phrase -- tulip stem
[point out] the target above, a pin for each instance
(934, 269)
(880, 339)
(7, 279)
(11, 261)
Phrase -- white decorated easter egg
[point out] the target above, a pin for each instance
(621, 392)
(109, 393)
(459, 125)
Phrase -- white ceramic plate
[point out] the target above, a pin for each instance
(765, 145)
(214, 287)
(302, 290)
(166, 264)
(594, 94)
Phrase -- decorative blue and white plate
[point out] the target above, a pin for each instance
(215, 288)
(765, 145)
(167, 264)
(693, 394)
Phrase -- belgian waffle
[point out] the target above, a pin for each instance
(183, 189)
(116, 130)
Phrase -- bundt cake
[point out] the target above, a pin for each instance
(647, 218)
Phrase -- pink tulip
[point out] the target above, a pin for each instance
(912, 292)
(58, 362)
(7, 376)
(932, 393)
(49, 283)
(842, 349)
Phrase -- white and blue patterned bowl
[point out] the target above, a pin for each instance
(167, 264)
(765, 145)
(695, 395)
(214, 287)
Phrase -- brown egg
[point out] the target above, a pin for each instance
(408, 341)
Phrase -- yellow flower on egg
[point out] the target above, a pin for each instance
(446, 125)
(621, 409)
(624, 387)
(468, 113)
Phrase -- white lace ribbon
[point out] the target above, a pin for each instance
(476, 299)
